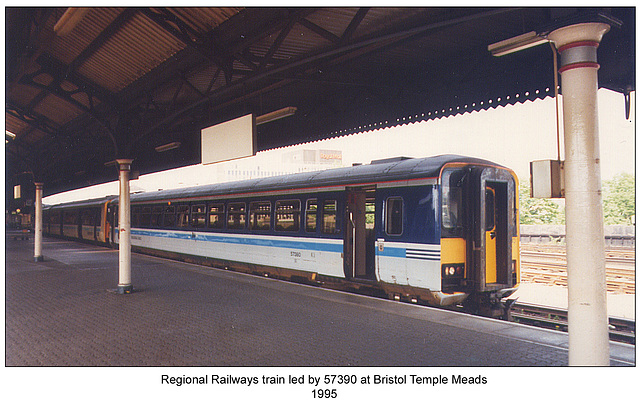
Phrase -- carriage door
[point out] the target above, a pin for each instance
(490, 234)
(359, 234)
(491, 246)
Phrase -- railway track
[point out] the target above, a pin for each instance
(546, 264)
(620, 329)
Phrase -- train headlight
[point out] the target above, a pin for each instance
(451, 270)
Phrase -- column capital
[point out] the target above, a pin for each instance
(124, 164)
(581, 32)
(578, 44)
(39, 185)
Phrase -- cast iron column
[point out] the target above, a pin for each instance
(588, 321)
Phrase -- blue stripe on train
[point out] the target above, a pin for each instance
(395, 252)
(301, 245)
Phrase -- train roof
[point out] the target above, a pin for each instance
(82, 203)
(383, 170)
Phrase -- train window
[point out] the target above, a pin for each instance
(145, 216)
(70, 217)
(98, 215)
(260, 215)
(288, 215)
(237, 216)
(198, 216)
(393, 216)
(169, 216)
(156, 216)
(135, 216)
(489, 201)
(182, 215)
(370, 214)
(216, 215)
(329, 212)
(311, 214)
(88, 218)
(451, 203)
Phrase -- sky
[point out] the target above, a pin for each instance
(512, 136)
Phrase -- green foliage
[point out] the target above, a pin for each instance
(618, 201)
(538, 211)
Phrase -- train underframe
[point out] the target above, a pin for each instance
(492, 304)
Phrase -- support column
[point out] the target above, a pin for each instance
(37, 236)
(124, 228)
(588, 320)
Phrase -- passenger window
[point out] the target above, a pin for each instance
(216, 215)
(329, 211)
(237, 216)
(260, 216)
(88, 218)
(135, 216)
(169, 216)
(311, 214)
(156, 216)
(288, 215)
(198, 216)
(393, 216)
(145, 217)
(182, 216)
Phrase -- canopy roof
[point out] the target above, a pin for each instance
(88, 86)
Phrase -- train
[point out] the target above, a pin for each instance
(440, 231)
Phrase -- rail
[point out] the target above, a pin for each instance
(547, 265)
(620, 329)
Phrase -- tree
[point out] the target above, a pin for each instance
(539, 211)
(619, 202)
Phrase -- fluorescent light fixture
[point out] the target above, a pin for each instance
(10, 134)
(167, 147)
(515, 44)
(275, 115)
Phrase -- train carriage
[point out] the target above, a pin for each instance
(81, 220)
(441, 230)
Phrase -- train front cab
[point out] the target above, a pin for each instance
(479, 237)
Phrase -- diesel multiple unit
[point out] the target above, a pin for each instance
(441, 230)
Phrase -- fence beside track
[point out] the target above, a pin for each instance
(614, 235)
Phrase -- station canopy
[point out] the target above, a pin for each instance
(86, 86)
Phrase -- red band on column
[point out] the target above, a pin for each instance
(578, 44)
(578, 66)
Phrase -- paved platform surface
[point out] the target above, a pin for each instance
(59, 313)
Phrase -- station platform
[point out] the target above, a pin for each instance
(60, 312)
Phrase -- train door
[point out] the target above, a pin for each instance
(490, 234)
(359, 233)
(493, 210)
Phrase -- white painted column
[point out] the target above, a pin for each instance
(588, 320)
(124, 228)
(37, 236)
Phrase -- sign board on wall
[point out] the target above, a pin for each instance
(229, 140)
